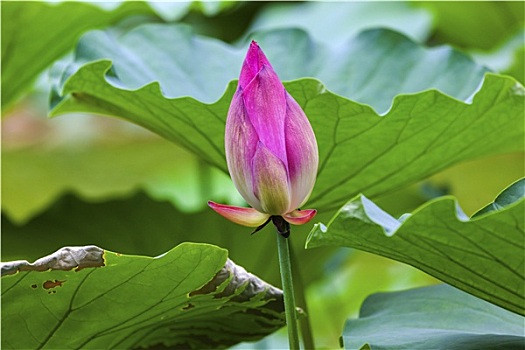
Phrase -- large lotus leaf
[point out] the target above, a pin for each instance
(139, 225)
(35, 177)
(86, 297)
(337, 22)
(482, 256)
(27, 49)
(437, 317)
(372, 67)
(353, 275)
(359, 150)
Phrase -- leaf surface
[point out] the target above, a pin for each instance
(27, 49)
(39, 175)
(190, 297)
(510, 195)
(24, 57)
(139, 225)
(437, 317)
(482, 256)
(185, 64)
(360, 150)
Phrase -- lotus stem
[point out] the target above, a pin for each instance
(287, 284)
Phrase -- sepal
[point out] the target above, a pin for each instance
(239, 215)
(300, 217)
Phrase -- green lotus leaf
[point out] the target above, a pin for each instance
(482, 255)
(360, 150)
(437, 317)
(27, 49)
(140, 225)
(191, 297)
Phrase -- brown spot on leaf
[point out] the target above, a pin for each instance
(189, 306)
(34, 286)
(52, 284)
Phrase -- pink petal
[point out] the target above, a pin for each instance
(252, 64)
(300, 217)
(240, 143)
(270, 181)
(242, 216)
(265, 103)
(302, 153)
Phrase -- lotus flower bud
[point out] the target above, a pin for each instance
(271, 149)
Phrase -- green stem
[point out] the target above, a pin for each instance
(289, 299)
(304, 322)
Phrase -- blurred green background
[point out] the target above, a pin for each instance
(87, 179)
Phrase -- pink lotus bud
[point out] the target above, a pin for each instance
(270, 148)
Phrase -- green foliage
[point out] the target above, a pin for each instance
(139, 225)
(387, 112)
(171, 11)
(85, 297)
(482, 256)
(363, 69)
(37, 176)
(507, 58)
(358, 274)
(510, 195)
(319, 19)
(420, 135)
(438, 317)
(27, 49)
(476, 24)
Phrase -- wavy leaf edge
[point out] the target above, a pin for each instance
(395, 224)
(91, 256)
(107, 64)
(218, 278)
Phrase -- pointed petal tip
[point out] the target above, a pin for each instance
(254, 60)
(253, 51)
(300, 217)
(239, 215)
